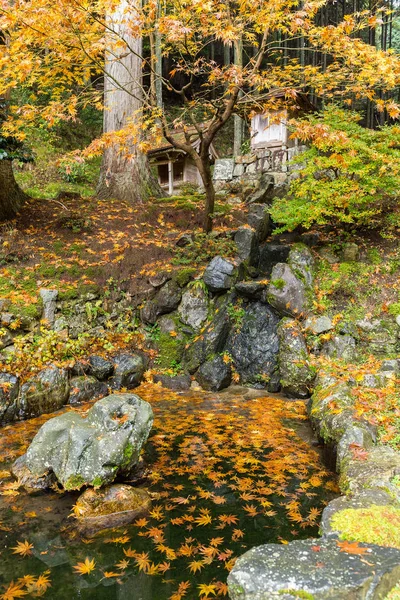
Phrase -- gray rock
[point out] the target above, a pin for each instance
(95, 450)
(329, 255)
(398, 320)
(376, 471)
(44, 393)
(254, 344)
(219, 275)
(193, 309)
(6, 319)
(351, 252)
(214, 375)
(271, 255)
(77, 325)
(331, 425)
(112, 507)
(311, 238)
(165, 301)
(286, 293)
(86, 388)
(340, 346)
(274, 383)
(255, 290)
(316, 567)
(301, 262)
(258, 218)
(247, 245)
(297, 375)
(211, 342)
(28, 481)
(6, 339)
(184, 240)
(9, 389)
(128, 371)
(354, 437)
(100, 367)
(223, 169)
(49, 299)
(159, 279)
(60, 324)
(318, 325)
(177, 383)
(390, 365)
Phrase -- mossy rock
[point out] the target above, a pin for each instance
(371, 525)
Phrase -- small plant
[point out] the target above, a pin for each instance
(203, 249)
(73, 170)
(153, 332)
(236, 313)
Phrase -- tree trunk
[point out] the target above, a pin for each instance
(124, 175)
(11, 195)
(203, 164)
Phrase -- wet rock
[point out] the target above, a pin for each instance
(128, 371)
(165, 301)
(247, 245)
(311, 238)
(314, 568)
(214, 375)
(193, 309)
(93, 450)
(86, 388)
(100, 367)
(271, 255)
(60, 324)
(159, 279)
(342, 347)
(49, 299)
(211, 342)
(258, 218)
(318, 325)
(254, 344)
(44, 393)
(9, 389)
(77, 325)
(274, 383)
(373, 497)
(301, 262)
(111, 507)
(178, 383)
(329, 255)
(219, 275)
(286, 293)
(27, 480)
(297, 375)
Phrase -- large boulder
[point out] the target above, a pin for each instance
(331, 424)
(219, 275)
(114, 506)
(342, 347)
(259, 219)
(286, 292)
(9, 388)
(297, 375)
(100, 367)
(92, 451)
(214, 375)
(44, 393)
(128, 371)
(193, 309)
(49, 299)
(314, 568)
(212, 341)
(270, 255)
(254, 343)
(301, 262)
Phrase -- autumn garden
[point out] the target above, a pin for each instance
(199, 299)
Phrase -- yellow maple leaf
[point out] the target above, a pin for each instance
(85, 568)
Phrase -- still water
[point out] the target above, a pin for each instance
(227, 471)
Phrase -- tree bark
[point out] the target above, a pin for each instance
(204, 167)
(11, 195)
(125, 174)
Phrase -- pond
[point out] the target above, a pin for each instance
(226, 471)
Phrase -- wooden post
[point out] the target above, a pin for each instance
(170, 177)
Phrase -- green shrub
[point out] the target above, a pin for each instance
(348, 177)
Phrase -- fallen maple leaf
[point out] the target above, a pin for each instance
(352, 548)
(23, 548)
(85, 568)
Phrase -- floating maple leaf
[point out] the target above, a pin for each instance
(85, 568)
(23, 548)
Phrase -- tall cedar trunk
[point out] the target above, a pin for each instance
(122, 177)
(11, 196)
(203, 165)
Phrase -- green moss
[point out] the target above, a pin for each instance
(373, 525)
(97, 482)
(297, 594)
(30, 311)
(394, 594)
(183, 276)
(278, 283)
(75, 482)
(170, 350)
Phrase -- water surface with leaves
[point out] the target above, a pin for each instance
(227, 471)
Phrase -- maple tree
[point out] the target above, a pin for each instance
(207, 91)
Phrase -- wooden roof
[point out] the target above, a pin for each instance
(294, 100)
(164, 146)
